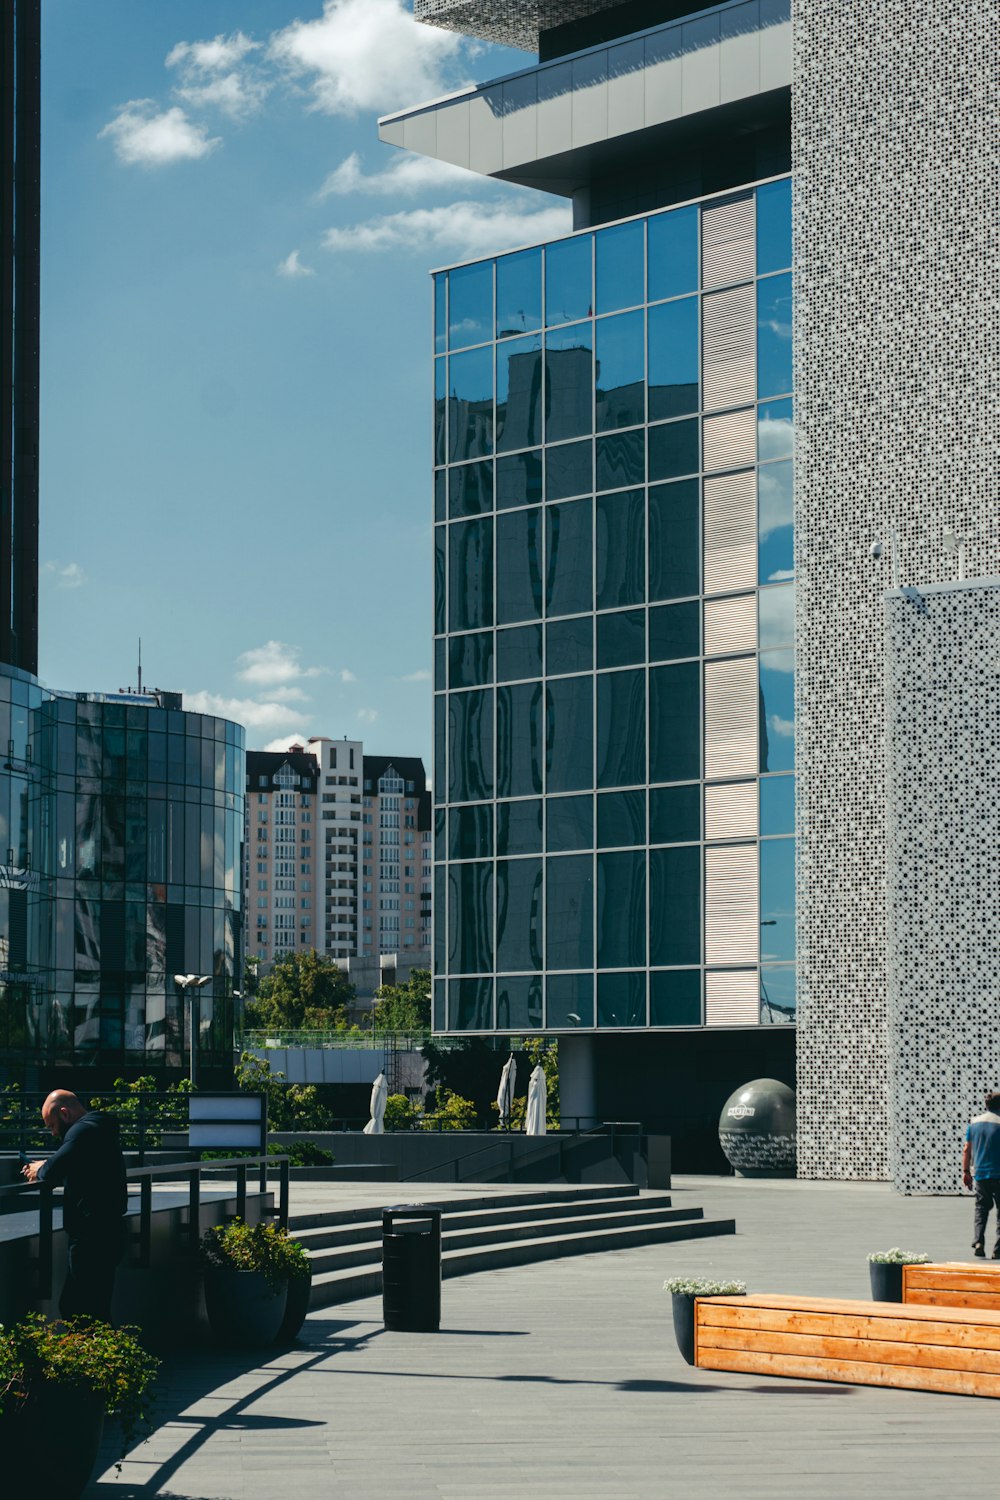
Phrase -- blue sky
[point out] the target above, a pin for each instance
(235, 457)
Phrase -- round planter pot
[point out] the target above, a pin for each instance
(683, 1310)
(34, 1459)
(244, 1310)
(887, 1282)
(296, 1307)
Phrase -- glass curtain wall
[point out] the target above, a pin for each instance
(614, 686)
(121, 826)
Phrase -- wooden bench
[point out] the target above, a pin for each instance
(975, 1285)
(916, 1347)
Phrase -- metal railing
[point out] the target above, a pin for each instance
(191, 1172)
(143, 1118)
(262, 1039)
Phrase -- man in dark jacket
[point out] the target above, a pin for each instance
(91, 1169)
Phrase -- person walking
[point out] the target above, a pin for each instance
(91, 1169)
(981, 1171)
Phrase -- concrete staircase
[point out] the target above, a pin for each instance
(502, 1229)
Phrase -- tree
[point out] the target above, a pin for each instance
(401, 1113)
(302, 990)
(290, 1106)
(404, 1007)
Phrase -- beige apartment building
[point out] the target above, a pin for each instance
(338, 853)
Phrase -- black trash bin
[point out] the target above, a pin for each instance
(411, 1268)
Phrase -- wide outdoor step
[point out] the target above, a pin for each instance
(410, 1193)
(364, 1248)
(331, 1235)
(347, 1283)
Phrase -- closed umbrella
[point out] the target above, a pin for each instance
(505, 1093)
(380, 1093)
(534, 1119)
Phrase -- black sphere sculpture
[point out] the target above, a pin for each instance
(757, 1129)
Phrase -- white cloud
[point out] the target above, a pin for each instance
(273, 664)
(238, 95)
(346, 675)
(293, 267)
(255, 714)
(368, 715)
(288, 695)
(467, 229)
(366, 55)
(785, 728)
(215, 56)
(405, 176)
(285, 742)
(420, 676)
(144, 138)
(781, 575)
(66, 576)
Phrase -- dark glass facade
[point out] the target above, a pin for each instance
(614, 688)
(121, 846)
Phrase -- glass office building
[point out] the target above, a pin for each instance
(121, 841)
(614, 694)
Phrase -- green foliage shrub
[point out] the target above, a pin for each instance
(264, 1248)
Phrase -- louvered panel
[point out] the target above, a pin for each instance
(730, 533)
(732, 921)
(729, 342)
(730, 625)
(732, 999)
(730, 440)
(727, 240)
(731, 810)
(731, 715)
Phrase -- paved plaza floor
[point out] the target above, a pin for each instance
(562, 1380)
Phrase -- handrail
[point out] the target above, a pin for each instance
(191, 1171)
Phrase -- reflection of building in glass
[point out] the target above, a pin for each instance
(338, 852)
(614, 683)
(121, 839)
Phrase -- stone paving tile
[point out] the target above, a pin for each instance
(562, 1381)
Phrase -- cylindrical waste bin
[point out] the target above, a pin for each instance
(411, 1268)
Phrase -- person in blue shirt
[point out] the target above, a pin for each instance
(981, 1171)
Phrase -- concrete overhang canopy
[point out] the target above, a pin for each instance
(511, 23)
(546, 127)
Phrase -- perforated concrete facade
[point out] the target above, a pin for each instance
(896, 161)
(942, 871)
(511, 23)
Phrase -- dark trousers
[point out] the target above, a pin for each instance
(987, 1197)
(91, 1263)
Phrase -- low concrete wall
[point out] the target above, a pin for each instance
(164, 1300)
(487, 1156)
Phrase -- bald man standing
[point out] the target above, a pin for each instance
(91, 1169)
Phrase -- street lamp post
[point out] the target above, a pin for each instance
(191, 984)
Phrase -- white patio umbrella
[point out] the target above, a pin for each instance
(380, 1093)
(534, 1119)
(505, 1093)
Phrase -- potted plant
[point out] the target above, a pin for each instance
(246, 1286)
(683, 1291)
(298, 1283)
(58, 1381)
(885, 1267)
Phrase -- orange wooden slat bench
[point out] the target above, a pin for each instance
(926, 1348)
(971, 1284)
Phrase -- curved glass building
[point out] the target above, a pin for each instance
(121, 840)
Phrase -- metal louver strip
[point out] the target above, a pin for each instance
(730, 439)
(729, 341)
(731, 811)
(732, 999)
(731, 718)
(730, 533)
(727, 240)
(730, 625)
(732, 918)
